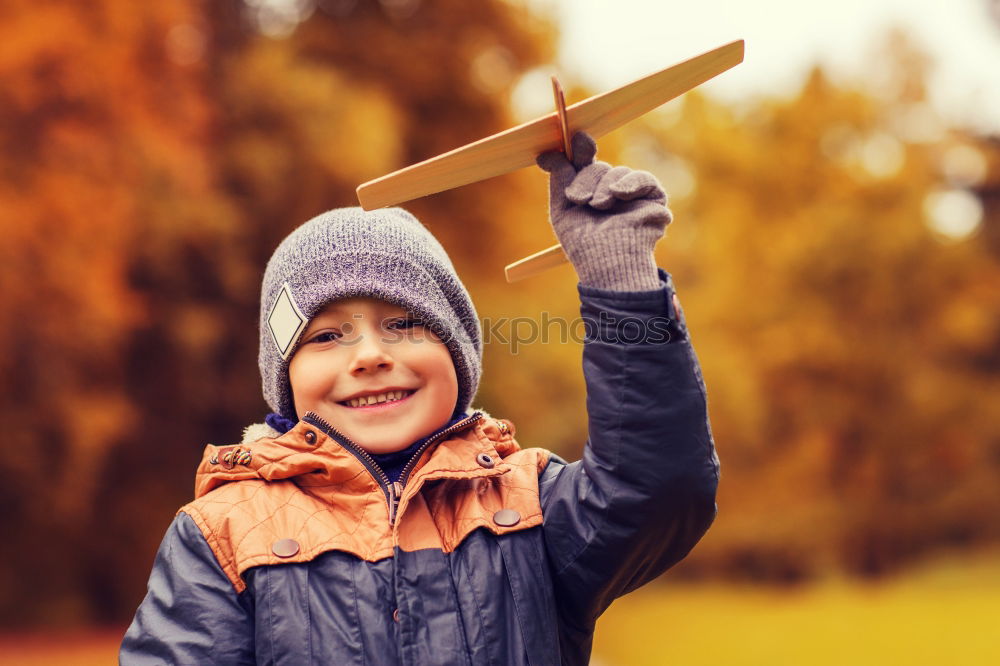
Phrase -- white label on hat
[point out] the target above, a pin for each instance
(286, 321)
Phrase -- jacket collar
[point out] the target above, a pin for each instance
(310, 456)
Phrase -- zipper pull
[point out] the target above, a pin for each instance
(395, 492)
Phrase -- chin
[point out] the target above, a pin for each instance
(379, 447)
(396, 439)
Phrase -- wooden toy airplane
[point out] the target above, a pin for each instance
(518, 147)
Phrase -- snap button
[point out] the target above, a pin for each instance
(285, 547)
(485, 460)
(506, 517)
(395, 615)
(310, 437)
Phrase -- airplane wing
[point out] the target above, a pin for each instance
(518, 147)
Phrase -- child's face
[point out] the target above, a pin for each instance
(362, 348)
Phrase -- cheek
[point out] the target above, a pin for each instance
(441, 370)
(429, 358)
(309, 378)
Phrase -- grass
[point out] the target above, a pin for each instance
(945, 613)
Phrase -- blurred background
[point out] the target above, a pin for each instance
(836, 245)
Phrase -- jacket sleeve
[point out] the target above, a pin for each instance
(191, 613)
(644, 492)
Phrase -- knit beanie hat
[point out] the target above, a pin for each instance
(386, 254)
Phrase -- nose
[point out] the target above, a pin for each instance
(370, 356)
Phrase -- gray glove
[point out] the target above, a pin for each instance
(607, 219)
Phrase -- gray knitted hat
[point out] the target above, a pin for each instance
(344, 253)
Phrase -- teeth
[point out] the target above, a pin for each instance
(388, 396)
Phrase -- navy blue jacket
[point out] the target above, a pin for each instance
(432, 572)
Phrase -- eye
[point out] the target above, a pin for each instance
(324, 336)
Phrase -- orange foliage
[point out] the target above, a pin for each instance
(153, 154)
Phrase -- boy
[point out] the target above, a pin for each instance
(376, 520)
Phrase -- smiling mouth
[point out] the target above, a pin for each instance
(377, 399)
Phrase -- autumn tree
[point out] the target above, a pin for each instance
(841, 282)
(153, 157)
(155, 153)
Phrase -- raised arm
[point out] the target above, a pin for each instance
(644, 492)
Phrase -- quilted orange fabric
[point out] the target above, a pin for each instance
(305, 486)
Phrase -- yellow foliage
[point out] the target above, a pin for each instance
(154, 154)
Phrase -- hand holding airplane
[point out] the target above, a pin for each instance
(520, 146)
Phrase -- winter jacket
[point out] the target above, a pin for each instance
(297, 551)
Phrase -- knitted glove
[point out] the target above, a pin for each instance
(607, 219)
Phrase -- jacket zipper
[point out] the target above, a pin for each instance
(363, 456)
(392, 490)
(461, 425)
